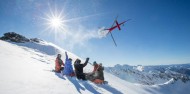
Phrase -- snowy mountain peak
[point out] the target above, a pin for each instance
(14, 37)
(33, 43)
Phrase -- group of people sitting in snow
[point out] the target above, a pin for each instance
(96, 75)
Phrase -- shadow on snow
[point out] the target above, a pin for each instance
(110, 89)
(60, 75)
(87, 86)
(90, 88)
(76, 83)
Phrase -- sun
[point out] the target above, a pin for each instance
(55, 22)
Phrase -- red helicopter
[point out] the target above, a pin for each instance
(114, 27)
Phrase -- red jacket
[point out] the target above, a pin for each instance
(58, 63)
(95, 67)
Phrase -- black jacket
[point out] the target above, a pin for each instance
(79, 67)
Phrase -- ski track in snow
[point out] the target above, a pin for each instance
(24, 70)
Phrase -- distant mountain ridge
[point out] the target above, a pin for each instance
(151, 75)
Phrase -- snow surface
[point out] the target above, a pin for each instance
(26, 69)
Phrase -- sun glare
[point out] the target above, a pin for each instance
(55, 22)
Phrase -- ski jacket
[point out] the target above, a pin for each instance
(58, 63)
(95, 68)
(79, 67)
(68, 69)
(99, 74)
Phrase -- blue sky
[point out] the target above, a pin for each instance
(157, 34)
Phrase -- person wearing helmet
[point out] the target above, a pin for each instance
(59, 64)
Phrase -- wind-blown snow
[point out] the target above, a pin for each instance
(24, 70)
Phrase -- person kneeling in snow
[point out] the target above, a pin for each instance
(58, 64)
(68, 70)
(79, 69)
(99, 75)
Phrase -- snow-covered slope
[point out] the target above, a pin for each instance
(27, 70)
